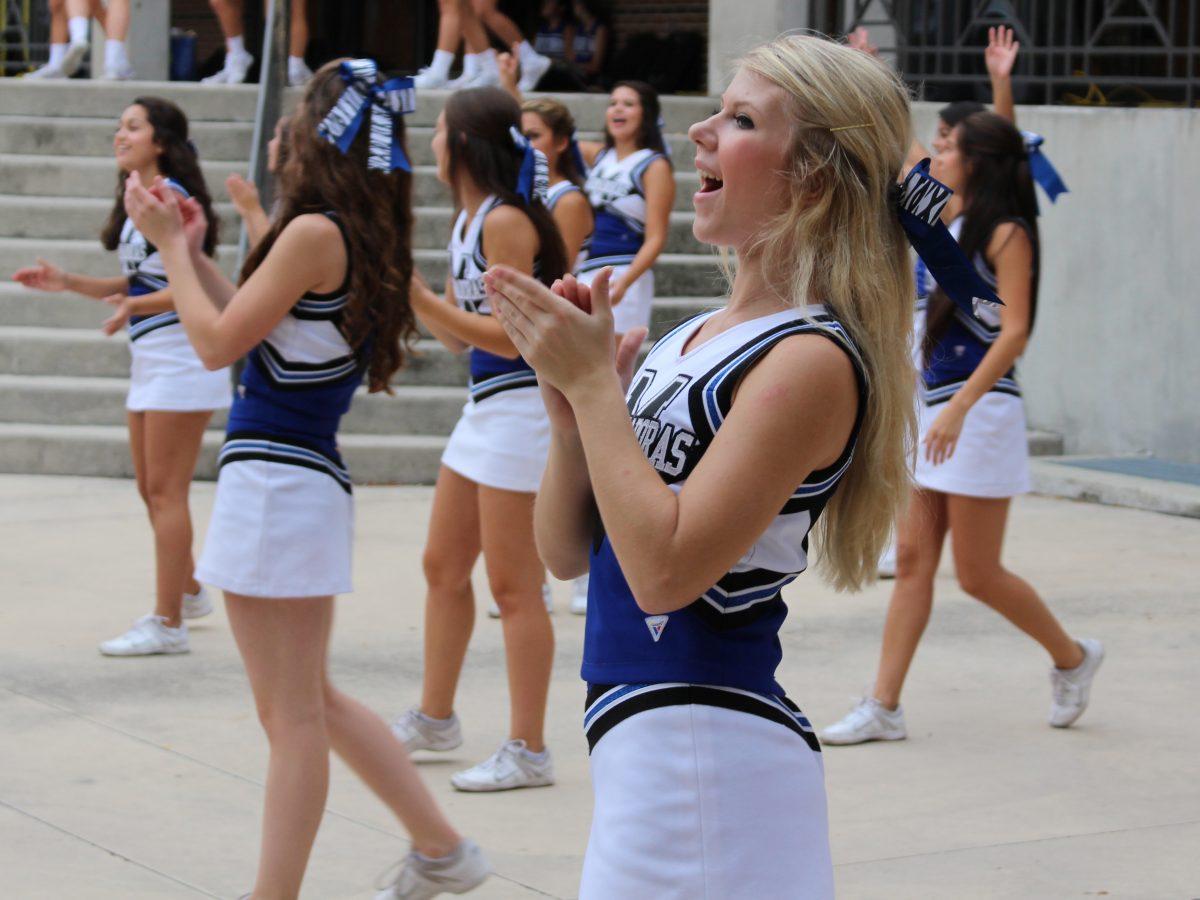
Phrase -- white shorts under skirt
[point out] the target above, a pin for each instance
(992, 455)
(502, 441)
(702, 801)
(278, 530)
(635, 307)
(165, 374)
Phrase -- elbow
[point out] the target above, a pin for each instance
(214, 358)
(662, 595)
(567, 569)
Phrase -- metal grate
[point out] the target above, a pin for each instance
(25, 42)
(1094, 52)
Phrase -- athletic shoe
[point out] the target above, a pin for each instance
(197, 605)
(148, 636)
(532, 72)
(887, 562)
(427, 79)
(234, 71)
(868, 721)
(298, 72)
(420, 878)
(512, 766)
(547, 598)
(1071, 687)
(123, 72)
(46, 73)
(464, 81)
(579, 592)
(417, 731)
(74, 56)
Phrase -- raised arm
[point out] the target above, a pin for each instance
(1000, 55)
(246, 200)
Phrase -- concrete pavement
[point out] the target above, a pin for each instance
(136, 778)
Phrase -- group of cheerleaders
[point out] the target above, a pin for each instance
(669, 487)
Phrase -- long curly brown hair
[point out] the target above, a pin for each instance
(178, 161)
(375, 209)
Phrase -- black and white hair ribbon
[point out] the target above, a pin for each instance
(533, 179)
(1041, 168)
(384, 99)
(919, 204)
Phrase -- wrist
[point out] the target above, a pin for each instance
(588, 386)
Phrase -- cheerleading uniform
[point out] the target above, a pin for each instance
(708, 780)
(164, 373)
(502, 438)
(283, 520)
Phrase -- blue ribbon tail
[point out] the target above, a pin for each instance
(1046, 175)
(525, 177)
(921, 202)
(577, 157)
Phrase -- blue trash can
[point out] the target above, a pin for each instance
(183, 55)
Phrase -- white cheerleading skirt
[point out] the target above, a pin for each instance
(165, 374)
(635, 307)
(502, 441)
(278, 530)
(703, 801)
(992, 455)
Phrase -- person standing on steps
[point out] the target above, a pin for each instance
(323, 303)
(238, 60)
(467, 22)
(172, 395)
(69, 43)
(493, 462)
(972, 455)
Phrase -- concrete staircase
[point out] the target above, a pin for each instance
(63, 384)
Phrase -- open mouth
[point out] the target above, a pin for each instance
(708, 184)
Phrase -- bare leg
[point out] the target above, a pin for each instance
(472, 29)
(450, 554)
(515, 575)
(229, 16)
(367, 745)
(58, 22)
(115, 20)
(977, 535)
(449, 25)
(499, 24)
(172, 443)
(919, 537)
(283, 646)
(298, 36)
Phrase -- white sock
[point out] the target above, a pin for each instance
(235, 46)
(77, 27)
(295, 62)
(442, 60)
(525, 52)
(114, 54)
(57, 52)
(487, 61)
(471, 64)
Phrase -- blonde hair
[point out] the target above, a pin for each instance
(561, 124)
(839, 243)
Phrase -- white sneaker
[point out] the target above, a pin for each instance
(147, 637)
(46, 73)
(547, 598)
(298, 72)
(417, 731)
(464, 81)
(532, 72)
(428, 79)
(579, 592)
(197, 605)
(74, 56)
(868, 721)
(887, 562)
(512, 766)
(234, 71)
(1071, 687)
(122, 72)
(420, 878)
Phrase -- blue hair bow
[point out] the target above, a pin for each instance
(1041, 168)
(386, 100)
(577, 156)
(533, 180)
(919, 207)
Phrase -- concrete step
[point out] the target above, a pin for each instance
(81, 218)
(96, 176)
(675, 274)
(92, 99)
(83, 257)
(22, 307)
(87, 352)
(54, 135)
(87, 176)
(80, 400)
(103, 450)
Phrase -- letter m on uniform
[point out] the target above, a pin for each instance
(655, 403)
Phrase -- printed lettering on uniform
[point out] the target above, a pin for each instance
(924, 197)
(666, 446)
(656, 624)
